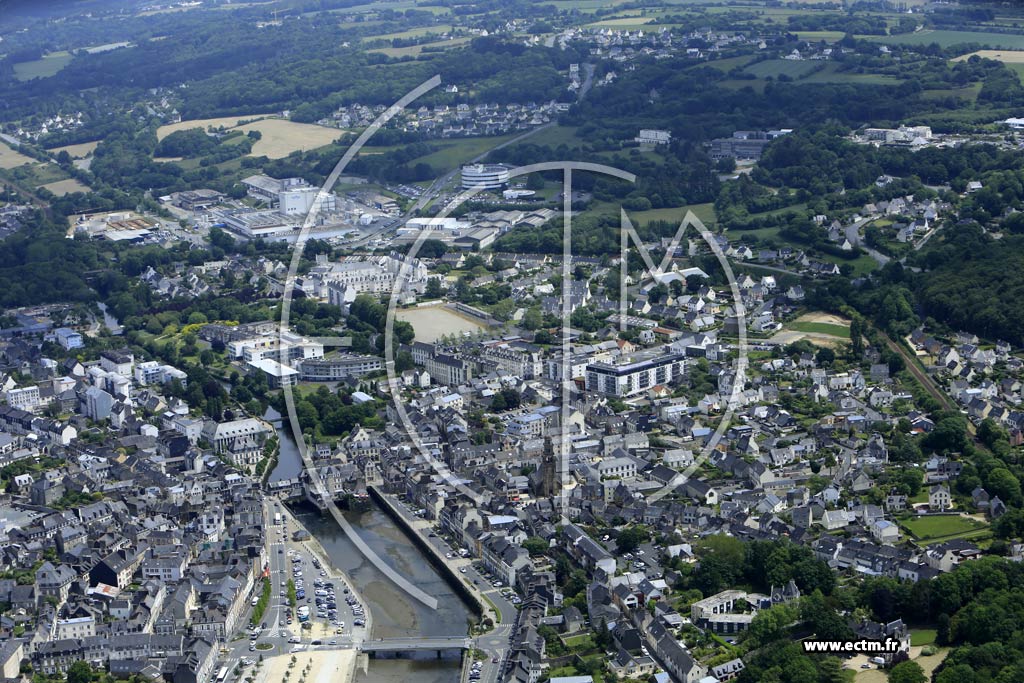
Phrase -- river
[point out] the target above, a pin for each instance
(289, 460)
(394, 613)
(110, 321)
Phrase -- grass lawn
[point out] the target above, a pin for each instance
(841, 331)
(582, 642)
(941, 526)
(922, 636)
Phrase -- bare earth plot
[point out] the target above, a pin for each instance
(823, 329)
(79, 151)
(1005, 56)
(12, 159)
(280, 137)
(222, 122)
(433, 322)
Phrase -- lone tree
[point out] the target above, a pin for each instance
(630, 538)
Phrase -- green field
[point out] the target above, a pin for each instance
(1018, 68)
(942, 526)
(841, 331)
(747, 236)
(832, 74)
(778, 67)
(627, 24)
(728, 63)
(704, 212)
(969, 92)
(414, 50)
(42, 68)
(416, 32)
(453, 153)
(556, 136)
(827, 36)
(948, 38)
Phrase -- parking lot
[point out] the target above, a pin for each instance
(325, 614)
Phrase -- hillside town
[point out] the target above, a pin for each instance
(535, 342)
(136, 525)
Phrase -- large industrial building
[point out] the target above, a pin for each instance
(255, 224)
(291, 196)
(744, 144)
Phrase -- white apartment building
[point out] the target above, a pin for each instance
(636, 377)
(25, 398)
(151, 372)
(650, 136)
